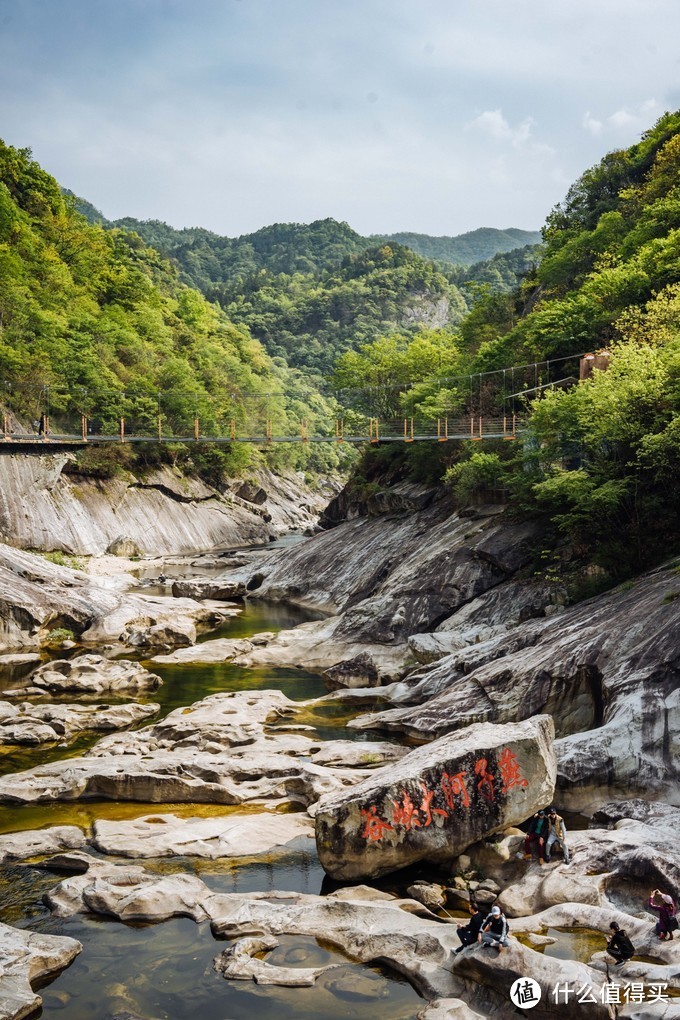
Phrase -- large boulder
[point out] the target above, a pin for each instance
(438, 800)
(607, 670)
(91, 675)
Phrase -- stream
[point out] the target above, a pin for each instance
(165, 971)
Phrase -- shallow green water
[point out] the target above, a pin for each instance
(570, 943)
(185, 684)
(165, 971)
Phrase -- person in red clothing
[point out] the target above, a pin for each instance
(536, 836)
(663, 905)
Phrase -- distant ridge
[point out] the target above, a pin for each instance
(464, 249)
(301, 247)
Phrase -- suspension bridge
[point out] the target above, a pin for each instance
(483, 406)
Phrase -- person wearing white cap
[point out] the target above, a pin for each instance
(494, 930)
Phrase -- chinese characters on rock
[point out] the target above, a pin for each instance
(452, 794)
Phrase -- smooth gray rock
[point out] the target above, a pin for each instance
(26, 958)
(163, 512)
(606, 670)
(221, 836)
(91, 675)
(18, 846)
(31, 724)
(220, 750)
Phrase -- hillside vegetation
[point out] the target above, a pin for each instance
(309, 292)
(94, 321)
(600, 460)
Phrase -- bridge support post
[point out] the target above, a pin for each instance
(197, 430)
(5, 426)
(374, 430)
(512, 434)
(304, 430)
(121, 430)
(269, 431)
(442, 436)
(83, 427)
(232, 429)
(160, 428)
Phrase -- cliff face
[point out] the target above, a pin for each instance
(43, 508)
(492, 642)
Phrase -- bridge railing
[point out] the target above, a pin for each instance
(81, 428)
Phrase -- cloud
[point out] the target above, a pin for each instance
(627, 119)
(592, 124)
(494, 124)
(438, 117)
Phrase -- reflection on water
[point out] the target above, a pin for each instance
(570, 943)
(166, 972)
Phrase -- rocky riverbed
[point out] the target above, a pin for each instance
(271, 750)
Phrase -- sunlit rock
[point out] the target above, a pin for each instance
(90, 675)
(26, 958)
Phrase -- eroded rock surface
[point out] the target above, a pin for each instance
(42, 506)
(438, 799)
(608, 672)
(90, 675)
(28, 957)
(31, 724)
(364, 924)
(18, 846)
(382, 579)
(610, 868)
(224, 749)
(230, 836)
(38, 597)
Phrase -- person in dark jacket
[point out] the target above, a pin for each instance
(619, 945)
(468, 933)
(495, 929)
(536, 836)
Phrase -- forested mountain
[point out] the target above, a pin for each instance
(502, 273)
(206, 259)
(310, 319)
(309, 292)
(102, 323)
(465, 249)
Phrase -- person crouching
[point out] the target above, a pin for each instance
(495, 929)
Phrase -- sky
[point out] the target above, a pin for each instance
(433, 116)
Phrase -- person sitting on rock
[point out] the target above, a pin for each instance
(469, 933)
(536, 836)
(557, 833)
(663, 905)
(619, 945)
(494, 929)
